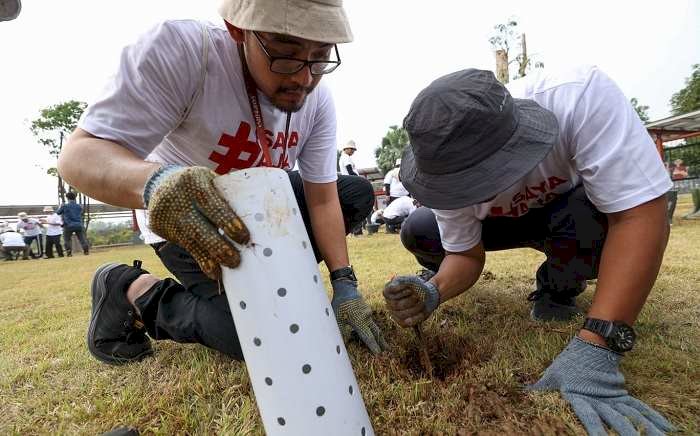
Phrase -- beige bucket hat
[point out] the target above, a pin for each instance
(350, 144)
(315, 20)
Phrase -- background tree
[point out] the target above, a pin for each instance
(688, 99)
(391, 149)
(505, 37)
(641, 110)
(57, 119)
(54, 124)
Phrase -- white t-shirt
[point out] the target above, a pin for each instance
(31, 227)
(402, 206)
(396, 188)
(344, 161)
(11, 239)
(51, 228)
(157, 79)
(602, 145)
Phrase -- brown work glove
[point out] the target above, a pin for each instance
(184, 207)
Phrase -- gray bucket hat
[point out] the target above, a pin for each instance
(315, 20)
(470, 140)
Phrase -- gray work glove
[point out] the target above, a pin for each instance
(411, 299)
(185, 207)
(353, 314)
(588, 378)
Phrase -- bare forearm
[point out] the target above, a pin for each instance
(631, 260)
(104, 170)
(327, 224)
(458, 272)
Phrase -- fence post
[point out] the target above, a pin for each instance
(672, 198)
(695, 214)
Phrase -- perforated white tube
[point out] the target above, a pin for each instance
(296, 359)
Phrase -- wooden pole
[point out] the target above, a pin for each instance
(61, 188)
(660, 145)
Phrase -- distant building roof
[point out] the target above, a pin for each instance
(675, 127)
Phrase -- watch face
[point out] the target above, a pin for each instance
(622, 338)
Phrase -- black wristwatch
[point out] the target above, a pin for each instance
(619, 336)
(345, 272)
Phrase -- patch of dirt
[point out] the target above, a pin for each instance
(448, 354)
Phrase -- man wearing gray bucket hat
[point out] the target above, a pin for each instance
(192, 100)
(568, 169)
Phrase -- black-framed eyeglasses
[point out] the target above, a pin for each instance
(287, 65)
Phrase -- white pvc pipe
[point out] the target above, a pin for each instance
(296, 358)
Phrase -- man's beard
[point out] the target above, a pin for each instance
(290, 106)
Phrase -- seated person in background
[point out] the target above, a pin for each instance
(12, 243)
(377, 217)
(397, 211)
(392, 183)
(679, 171)
(32, 231)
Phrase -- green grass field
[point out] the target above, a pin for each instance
(483, 344)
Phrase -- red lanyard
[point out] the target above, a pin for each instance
(260, 137)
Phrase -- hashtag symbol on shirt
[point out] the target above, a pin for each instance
(241, 152)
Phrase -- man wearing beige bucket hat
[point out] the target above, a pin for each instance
(192, 100)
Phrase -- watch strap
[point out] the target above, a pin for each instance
(602, 327)
(345, 272)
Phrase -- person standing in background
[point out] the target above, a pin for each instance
(54, 229)
(392, 183)
(31, 228)
(72, 214)
(347, 165)
(679, 171)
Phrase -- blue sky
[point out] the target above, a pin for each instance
(61, 50)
